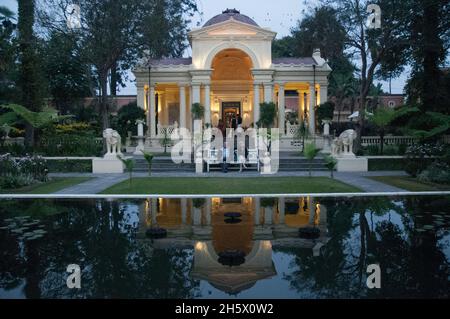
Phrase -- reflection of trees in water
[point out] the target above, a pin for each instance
(412, 263)
(100, 237)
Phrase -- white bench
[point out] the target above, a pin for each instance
(214, 157)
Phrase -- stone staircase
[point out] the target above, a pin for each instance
(161, 164)
(289, 162)
(301, 164)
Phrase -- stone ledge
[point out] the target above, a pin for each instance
(357, 164)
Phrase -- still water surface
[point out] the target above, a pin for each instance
(257, 254)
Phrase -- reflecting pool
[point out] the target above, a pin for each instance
(226, 247)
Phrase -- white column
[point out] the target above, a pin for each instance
(255, 104)
(140, 98)
(183, 204)
(182, 106)
(195, 93)
(207, 104)
(281, 210)
(268, 92)
(312, 210)
(268, 215)
(197, 216)
(154, 210)
(152, 111)
(323, 94)
(257, 210)
(281, 109)
(301, 105)
(312, 105)
(208, 211)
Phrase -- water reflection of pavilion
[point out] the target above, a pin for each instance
(199, 224)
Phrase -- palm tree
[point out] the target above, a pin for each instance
(330, 163)
(149, 158)
(383, 118)
(129, 165)
(310, 153)
(342, 86)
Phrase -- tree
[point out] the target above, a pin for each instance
(68, 76)
(384, 116)
(284, 47)
(310, 153)
(320, 29)
(373, 46)
(29, 80)
(342, 86)
(429, 37)
(8, 68)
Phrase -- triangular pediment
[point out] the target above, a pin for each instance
(233, 28)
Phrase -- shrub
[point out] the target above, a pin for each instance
(325, 111)
(22, 171)
(437, 172)
(79, 128)
(70, 145)
(70, 166)
(126, 119)
(418, 157)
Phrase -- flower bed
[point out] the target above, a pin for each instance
(19, 172)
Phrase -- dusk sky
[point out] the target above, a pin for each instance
(280, 16)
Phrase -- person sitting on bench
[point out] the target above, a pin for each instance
(225, 154)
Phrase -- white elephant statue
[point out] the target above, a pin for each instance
(113, 142)
(344, 144)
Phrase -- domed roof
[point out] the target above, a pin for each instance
(227, 15)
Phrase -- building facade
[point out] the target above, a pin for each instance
(230, 73)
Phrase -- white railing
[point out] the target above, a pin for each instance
(165, 129)
(388, 140)
(291, 129)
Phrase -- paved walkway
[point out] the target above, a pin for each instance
(93, 186)
(100, 182)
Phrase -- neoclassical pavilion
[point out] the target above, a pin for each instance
(231, 71)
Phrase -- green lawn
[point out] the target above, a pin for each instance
(410, 184)
(214, 185)
(54, 185)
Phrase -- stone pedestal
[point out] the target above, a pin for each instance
(352, 164)
(140, 145)
(107, 165)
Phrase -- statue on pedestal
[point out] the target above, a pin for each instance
(343, 145)
(113, 142)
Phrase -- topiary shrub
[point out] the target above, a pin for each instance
(325, 111)
(126, 119)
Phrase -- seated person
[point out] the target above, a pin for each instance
(225, 154)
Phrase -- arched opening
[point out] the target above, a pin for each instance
(231, 84)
